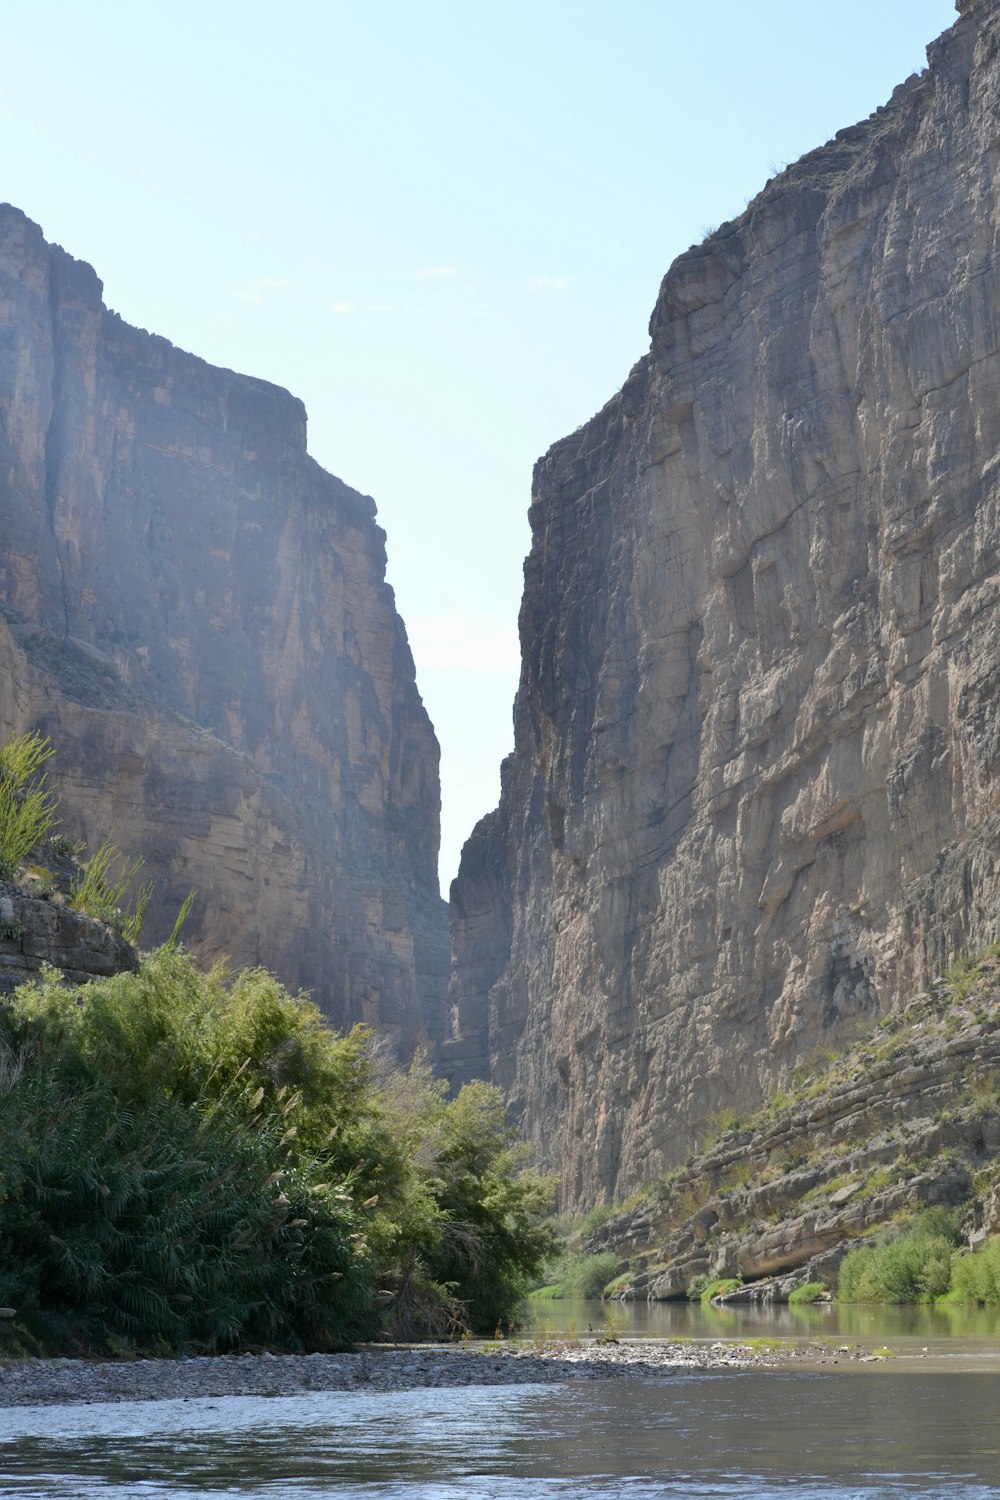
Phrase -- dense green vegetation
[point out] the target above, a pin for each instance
(910, 1263)
(976, 1278)
(194, 1161)
(577, 1275)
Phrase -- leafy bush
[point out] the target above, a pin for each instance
(910, 1265)
(581, 1276)
(976, 1278)
(490, 1239)
(158, 1228)
(152, 1195)
(27, 807)
(196, 1161)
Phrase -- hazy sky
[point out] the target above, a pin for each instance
(442, 224)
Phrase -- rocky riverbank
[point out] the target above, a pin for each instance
(906, 1118)
(56, 1382)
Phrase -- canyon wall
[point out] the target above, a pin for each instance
(754, 795)
(197, 614)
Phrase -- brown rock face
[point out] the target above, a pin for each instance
(36, 932)
(754, 796)
(198, 616)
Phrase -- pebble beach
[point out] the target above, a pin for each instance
(46, 1382)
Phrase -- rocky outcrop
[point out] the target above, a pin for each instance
(753, 798)
(35, 931)
(905, 1120)
(198, 616)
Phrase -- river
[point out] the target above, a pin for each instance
(868, 1432)
(925, 1421)
(954, 1330)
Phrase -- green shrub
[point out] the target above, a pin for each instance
(581, 1276)
(27, 808)
(811, 1291)
(598, 1216)
(197, 1161)
(161, 1228)
(976, 1278)
(103, 888)
(908, 1265)
(484, 1189)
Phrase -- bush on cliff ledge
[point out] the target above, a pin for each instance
(196, 1161)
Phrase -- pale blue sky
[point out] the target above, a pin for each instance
(442, 225)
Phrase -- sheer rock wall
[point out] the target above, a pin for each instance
(198, 616)
(754, 794)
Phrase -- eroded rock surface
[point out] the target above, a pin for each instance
(36, 932)
(753, 799)
(197, 615)
(906, 1119)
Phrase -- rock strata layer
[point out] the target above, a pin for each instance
(36, 932)
(197, 615)
(753, 800)
(907, 1119)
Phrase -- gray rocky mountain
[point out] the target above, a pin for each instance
(754, 796)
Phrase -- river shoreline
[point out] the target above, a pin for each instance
(375, 1368)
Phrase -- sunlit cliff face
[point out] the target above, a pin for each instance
(752, 801)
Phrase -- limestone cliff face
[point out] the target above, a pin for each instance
(198, 615)
(754, 797)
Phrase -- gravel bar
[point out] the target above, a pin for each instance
(51, 1382)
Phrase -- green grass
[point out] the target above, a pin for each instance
(703, 1291)
(811, 1292)
(27, 807)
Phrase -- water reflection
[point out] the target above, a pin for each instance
(800, 1437)
(835, 1320)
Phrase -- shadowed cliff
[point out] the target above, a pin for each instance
(197, 615)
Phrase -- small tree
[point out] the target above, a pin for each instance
(494, 1240)
(27, 807)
